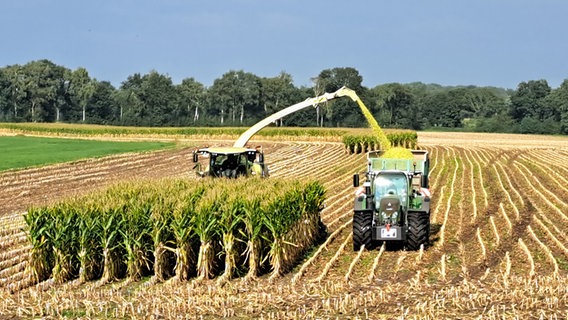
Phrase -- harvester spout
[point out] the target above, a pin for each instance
(346, 92)
(343, 91)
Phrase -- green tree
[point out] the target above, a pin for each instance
(340, 112)
(81, 88)
(129, 102)
(443, 109)
(306, 117)
(158, 96)
(16, 92)
(528, 100)
(483, 102)
(191, 102)
(557, 104)
(102, 106)
(236, 96)
(5, 108)
(395, 103)
(277, 93)
(64, 105)
(41, 81)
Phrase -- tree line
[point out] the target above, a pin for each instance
(41, 91)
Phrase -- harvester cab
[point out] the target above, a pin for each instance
(230, 162)
(393, 204)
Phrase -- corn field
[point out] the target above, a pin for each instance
(498, 249)
(176, 228)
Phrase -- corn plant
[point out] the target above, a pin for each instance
(136, 237)
(253, 215)
(230, 222)
(90, 250)
(313, 196)
(351, 143)
(38, 221)
(161, 230)
(279, 216)
(183, 231)
(206, 224)
(64, 242)
(111, 241)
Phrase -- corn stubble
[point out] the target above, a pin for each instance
(501, 268)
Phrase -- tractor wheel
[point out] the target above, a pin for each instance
(362, 222)
(418, 230)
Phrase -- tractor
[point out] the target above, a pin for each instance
(230, 162)
(393, 204)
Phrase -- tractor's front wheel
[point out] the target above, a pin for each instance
(362, 222)
(418, 230)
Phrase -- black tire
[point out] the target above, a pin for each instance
(418, 230)
(362, 223)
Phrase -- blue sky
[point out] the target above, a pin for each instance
(450, 42)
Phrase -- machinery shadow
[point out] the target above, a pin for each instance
(434, 233)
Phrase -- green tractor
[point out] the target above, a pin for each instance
(230, 162)
(393, 204)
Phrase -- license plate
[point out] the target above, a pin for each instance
(388, 233)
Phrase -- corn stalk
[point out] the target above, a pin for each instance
(183, 231)
(136, 237)
(230, 221)
(253, 222)
(110, 238)
(63, 241)
(38, 222)
(90, 251)
(162, 234)
(206, 222)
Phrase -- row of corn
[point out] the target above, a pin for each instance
(270, 133)
(90, 130)
(177, 229)
(104, 130)
(367, 142)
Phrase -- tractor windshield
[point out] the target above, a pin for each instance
(391, 184)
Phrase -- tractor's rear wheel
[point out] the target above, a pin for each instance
(418, 230)
(362, 223)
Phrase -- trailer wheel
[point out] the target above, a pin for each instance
(418, 230)
(362, 222)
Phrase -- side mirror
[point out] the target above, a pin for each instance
(356, 180)
(195, 157)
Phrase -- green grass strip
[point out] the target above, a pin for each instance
(21, 152)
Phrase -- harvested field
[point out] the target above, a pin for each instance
(499, 247)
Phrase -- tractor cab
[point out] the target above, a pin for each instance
(229, 162)
(391, 184)
(393, 205)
